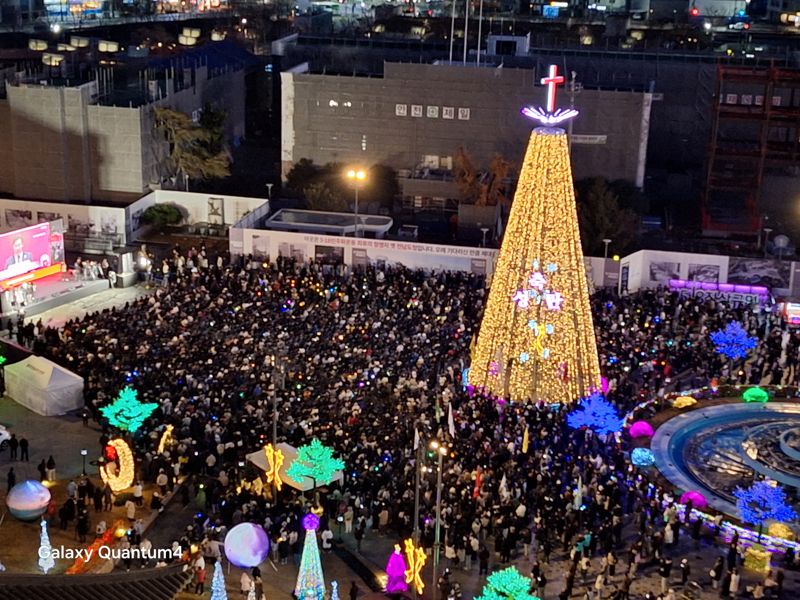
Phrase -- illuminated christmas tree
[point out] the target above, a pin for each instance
(126, 412)
(596, 413)
(763, 502)
(310, 581)
(46, 561)
(536, 339)
(507, 584)
(315, 461)
(218, 583)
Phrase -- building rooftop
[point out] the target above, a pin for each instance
(312, 221)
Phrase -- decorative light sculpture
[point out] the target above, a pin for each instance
(123, 478)
(536, 339)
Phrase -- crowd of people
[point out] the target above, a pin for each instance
(368, 360)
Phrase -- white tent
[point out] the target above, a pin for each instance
(259, 459)
(44, 387)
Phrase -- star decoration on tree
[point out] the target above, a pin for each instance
(733, 341)
(315, 461)
(596, 413)
(275, 461)
(763, 502)
(507, 584)
(126, 412)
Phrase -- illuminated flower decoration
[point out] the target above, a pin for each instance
(697, 499)
(311, 522)
(755, 394)
(780, 530)
(684, 402)
(643, 457)
(733, 341)
(641, 429)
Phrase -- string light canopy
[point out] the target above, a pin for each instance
(536, 340)
(123, 478)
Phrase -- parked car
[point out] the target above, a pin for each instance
(4, 437)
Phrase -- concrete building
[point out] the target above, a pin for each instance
(416, 116)
(95, 140)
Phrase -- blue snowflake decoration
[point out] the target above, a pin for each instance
(597, 414)
(552, 267)
(733, 341)
(532, 324)
(524, 357)
(549, 329)
(763, 502)
(643, 457)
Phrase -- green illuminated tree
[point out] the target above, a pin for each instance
(315, 461)
(126, 412)
(507, 584)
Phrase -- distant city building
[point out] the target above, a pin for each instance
(69, 139)
(416, 116)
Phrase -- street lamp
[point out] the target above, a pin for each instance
(441, 450)
(84, 452)
(606, 242)
(767, 231)
(356, 176)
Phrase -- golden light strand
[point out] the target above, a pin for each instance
(415, 558)
(274, 460)
(124, 477)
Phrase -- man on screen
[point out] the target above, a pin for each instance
(19, 256)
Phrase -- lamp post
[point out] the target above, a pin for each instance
(418, 465)
(356, 176)
(281, 385)
(441, 450)
(84, 452)
(606, 242)
(767, 231)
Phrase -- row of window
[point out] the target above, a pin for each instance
(432, 112)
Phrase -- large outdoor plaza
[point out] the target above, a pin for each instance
(318, 422)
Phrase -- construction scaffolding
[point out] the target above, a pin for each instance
(755, 129)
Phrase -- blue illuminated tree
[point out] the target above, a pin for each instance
(596, 413)
(218, 583)
(763, 502)
(733, 341)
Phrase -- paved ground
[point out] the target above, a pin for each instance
(65, 436)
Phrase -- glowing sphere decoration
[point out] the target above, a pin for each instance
(311, 522)
(697, 499)
(755, 394)
(246, 545)
(641, 429)
(643, 457)
(28, 500)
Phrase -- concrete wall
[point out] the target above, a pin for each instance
(58, 144)
(402, 117)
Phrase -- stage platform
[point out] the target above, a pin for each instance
(50, 292)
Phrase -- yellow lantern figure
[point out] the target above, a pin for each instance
(166, 438)
(415, 557)
(275, 461)
(124, 477)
